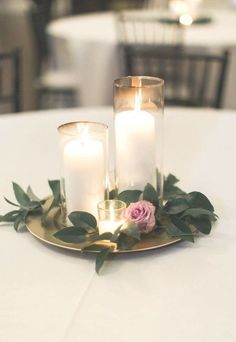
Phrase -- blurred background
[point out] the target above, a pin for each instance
(66, 53)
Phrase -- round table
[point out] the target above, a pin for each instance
(174, 294)
(89, 45)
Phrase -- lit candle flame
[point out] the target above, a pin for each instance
(186, 19)
(84, 135)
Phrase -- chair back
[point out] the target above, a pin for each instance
(192, 78)
(38, 24)
(146, 27)
(45, 7)
(85, 6)
(119, 5)
(10, 84)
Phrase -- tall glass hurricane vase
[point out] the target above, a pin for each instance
(85, 165)
(138, 107)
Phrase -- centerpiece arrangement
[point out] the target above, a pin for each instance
(141, 210)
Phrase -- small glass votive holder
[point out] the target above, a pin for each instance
(111, 215)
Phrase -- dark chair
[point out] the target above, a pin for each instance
(10, 82)
(145, 27)
(86, 6)
(56, 88)
(45, 7)
(38, 24)
(118, 5)
(193, 76)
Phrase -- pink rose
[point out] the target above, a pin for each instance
(142, 213)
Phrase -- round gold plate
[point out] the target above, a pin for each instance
(154, 240)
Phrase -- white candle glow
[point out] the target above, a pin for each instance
(135, 148)
(111, 215)
(185, 7)
(109, 226)
(186, 19)
(178, 7)
(84, 173)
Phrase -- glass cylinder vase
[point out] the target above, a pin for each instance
(138, 107)
(85, 165)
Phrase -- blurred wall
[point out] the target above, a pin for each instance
(15, 31)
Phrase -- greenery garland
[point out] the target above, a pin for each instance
(181, 215)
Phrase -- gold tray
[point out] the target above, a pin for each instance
(157, 239)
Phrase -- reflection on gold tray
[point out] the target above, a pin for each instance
(155, 240)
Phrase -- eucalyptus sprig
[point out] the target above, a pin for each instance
(84, 229)
(180, 215)
(29, 203)
(57, 200)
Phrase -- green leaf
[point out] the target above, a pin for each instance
(198, 212)
(57, 200)
(105, 236)
(94, 246)
(176, 227)
(125, 242)
(71, 235)
(129, 196)
(83, 220)
(203, 224)
(176, 206)
(8, 201)
(150, 194)
(101, 258)
(44, 219)
(36, 211)
(170, 180)
(175, 191)
(9, 217)
(198, 200)
(160, 213)
(170, 190)
(56, 189)
(132, 230)
(116, 233)
(21, 197)
(58, 219)
(20, 220)
(112, 194)
(31, 194)
(34, 205)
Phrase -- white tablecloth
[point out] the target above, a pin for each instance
(180, 293)
(90, 44)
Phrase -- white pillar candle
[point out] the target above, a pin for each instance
(135, 149)
(84, 172)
